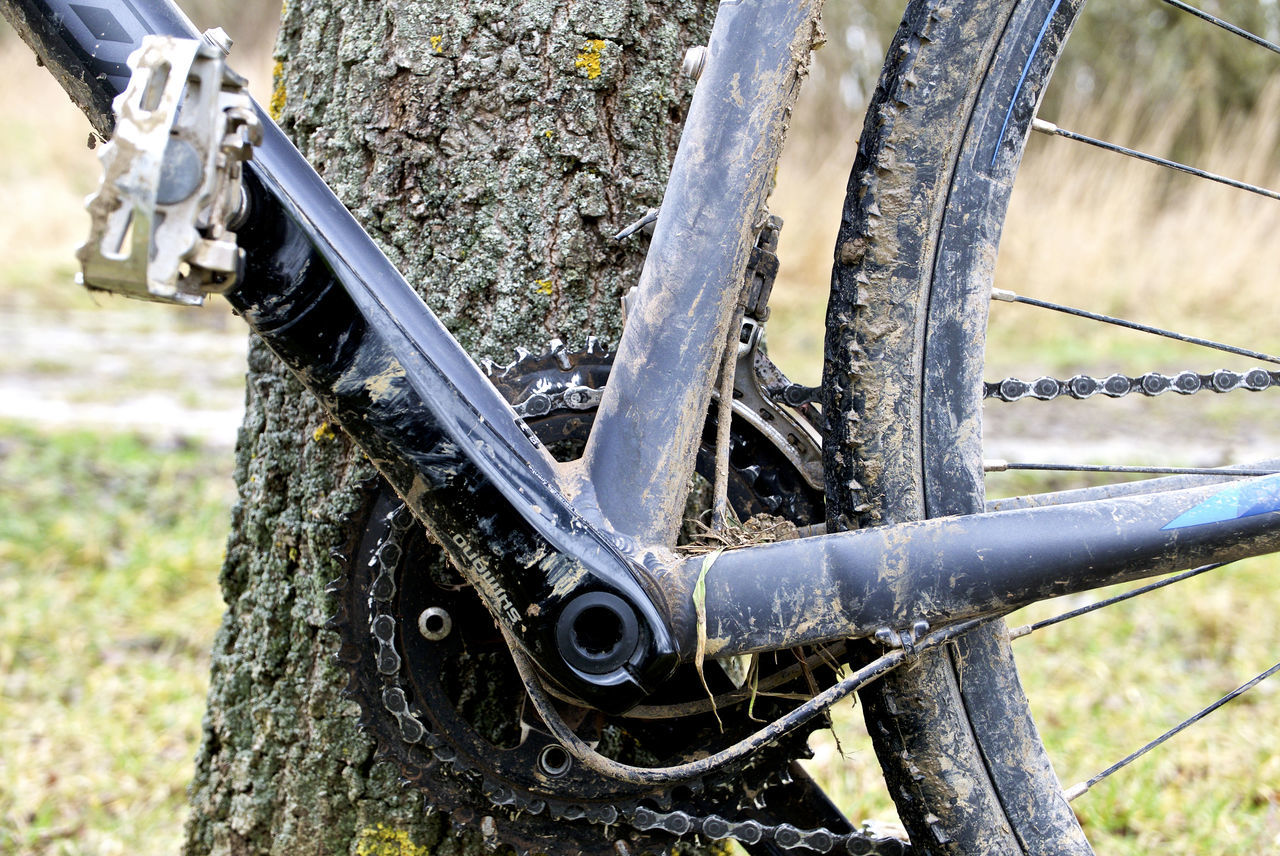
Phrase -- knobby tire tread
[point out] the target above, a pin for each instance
(953, 732)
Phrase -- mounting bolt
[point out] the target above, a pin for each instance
(219, 39)
(434, 623)
(554, 760)
(695, 60)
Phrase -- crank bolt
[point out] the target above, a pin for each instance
(554, 761)
(434, 623)
(597, 633)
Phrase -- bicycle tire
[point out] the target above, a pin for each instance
(906, 322)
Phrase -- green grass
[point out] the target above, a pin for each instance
(1103, 685)
(110, 547)
(1106, 683)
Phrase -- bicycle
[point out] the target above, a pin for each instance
(620, 612)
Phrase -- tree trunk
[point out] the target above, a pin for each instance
(491, 148)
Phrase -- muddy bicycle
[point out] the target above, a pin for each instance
(902, 570)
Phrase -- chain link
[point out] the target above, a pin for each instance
(751, 832)
(571, 398)
(1119, 385)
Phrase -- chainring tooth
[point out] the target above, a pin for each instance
(416, 724)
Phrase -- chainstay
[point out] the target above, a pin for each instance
(1119, 385)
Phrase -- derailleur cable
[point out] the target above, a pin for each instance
(909, 647)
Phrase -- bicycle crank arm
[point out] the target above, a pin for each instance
(335, 310)
(884, 581)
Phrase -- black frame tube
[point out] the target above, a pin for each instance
(958, 568)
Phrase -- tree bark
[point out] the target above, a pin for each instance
(491, 148)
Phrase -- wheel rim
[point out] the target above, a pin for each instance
(951, 448)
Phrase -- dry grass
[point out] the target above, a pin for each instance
(1093, 229)
(809, 197)
(1085, 227)
(46, 170)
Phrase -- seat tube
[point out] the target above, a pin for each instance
(641, 452)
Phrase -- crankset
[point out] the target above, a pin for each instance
(437, 688)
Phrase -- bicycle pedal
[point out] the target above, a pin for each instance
(171, 185)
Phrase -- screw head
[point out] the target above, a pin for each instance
(554, 760)
(219, 39)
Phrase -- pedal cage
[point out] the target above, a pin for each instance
(171, 184)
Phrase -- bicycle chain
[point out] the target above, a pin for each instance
(677, 822)
(786, 836)
(1119, 385)
(541, 392)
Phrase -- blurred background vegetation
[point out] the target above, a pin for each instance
(116, 422)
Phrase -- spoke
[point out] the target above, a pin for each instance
(1218, 22)
(999, 466)
(1012, 297)
(1075, 791)
(1053, 130)
(1028, 629)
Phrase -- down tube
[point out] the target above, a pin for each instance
(951, 569)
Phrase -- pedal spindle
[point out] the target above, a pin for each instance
(171, 185)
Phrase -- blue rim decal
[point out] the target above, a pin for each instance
(1242, 499)
(1026, 69)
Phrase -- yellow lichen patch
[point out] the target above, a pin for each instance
(323, 432)
(543, 286)
(437, 44)
(589, 58)
(382, 840)
(276, 106)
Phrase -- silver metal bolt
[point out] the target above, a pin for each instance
(554, 760)
(695, 60)
(219, 39)
(434, 623)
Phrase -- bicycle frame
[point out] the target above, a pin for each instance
(547, 544)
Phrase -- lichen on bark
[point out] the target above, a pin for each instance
(491, 149)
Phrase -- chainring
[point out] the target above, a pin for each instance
(414, 635)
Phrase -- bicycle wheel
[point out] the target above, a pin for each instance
(926, 204)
